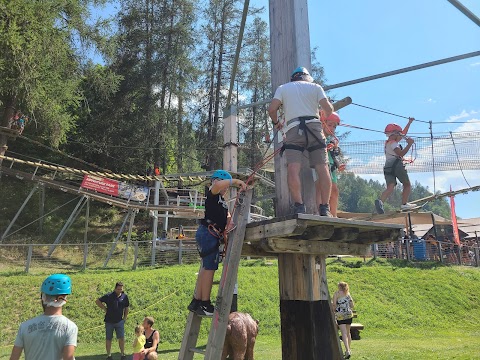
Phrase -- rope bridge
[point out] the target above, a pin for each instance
(455, 151)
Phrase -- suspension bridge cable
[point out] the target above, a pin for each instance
(386, 112)
(459, 163)
(63, 153)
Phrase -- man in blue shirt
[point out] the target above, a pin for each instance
(115, 305)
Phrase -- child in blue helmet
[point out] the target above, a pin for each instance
(36, 336)
(209, 236)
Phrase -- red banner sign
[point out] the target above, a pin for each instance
(101, 185)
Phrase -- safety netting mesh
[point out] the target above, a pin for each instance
(456, 151)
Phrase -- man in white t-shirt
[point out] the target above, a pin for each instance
(50, 336)
(300, 99)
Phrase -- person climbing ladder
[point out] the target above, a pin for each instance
(394, 167)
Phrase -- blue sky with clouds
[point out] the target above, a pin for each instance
(362, 38)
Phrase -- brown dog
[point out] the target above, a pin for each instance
(242, 332)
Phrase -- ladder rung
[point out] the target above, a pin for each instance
(198, 351)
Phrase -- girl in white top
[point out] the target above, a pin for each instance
(343, 305)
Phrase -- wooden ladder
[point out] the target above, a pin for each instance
(218, 328)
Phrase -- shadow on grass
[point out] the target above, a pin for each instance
(117, 355)
(395, 263)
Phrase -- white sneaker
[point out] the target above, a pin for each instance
(408, 206)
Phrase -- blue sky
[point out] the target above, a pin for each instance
(362, 38)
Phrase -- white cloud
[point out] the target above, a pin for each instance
(464, 114)
(475, 64)
(469, 126)
(431, 101)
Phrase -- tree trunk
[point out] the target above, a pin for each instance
(8, 114)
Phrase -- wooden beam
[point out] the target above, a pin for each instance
(274, 245)
(319, 232)
(277, 228)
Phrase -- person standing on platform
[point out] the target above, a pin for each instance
(209, 236)
(394, 168)
(342, 303)
(50, 335)
(116, 306)
(303, 131)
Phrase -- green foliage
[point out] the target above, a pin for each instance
(39, 63)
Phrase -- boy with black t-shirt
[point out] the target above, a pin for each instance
(208, 238)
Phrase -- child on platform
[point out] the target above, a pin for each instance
(329, 126)
(394, 167)
(138, 343)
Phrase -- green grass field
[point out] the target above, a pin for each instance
(424, 311)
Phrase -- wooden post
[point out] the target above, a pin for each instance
(306, 320)
(230, 156)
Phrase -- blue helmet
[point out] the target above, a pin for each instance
(57, 284)
(301, 74)
(222, 175)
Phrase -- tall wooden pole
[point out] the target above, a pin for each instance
(308, 329)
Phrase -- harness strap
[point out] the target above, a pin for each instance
(302, 126)
(390, 170)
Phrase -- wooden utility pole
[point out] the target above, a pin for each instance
(308, 329)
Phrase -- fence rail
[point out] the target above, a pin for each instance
(77, 257)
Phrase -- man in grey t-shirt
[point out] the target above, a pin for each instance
(50, 336)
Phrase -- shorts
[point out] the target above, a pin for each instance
(118, 327)
(316, 157)
(345, 322)
(397, 172)
(207, 242)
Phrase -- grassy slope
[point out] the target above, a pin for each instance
(408, 313)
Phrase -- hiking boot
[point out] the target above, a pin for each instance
(109, 357)
(299, 208)
(123, 357)
(194, 304)
(379, 206)
(408, 206)
(324, 210)
(205, 310)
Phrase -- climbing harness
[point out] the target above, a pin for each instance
(303, 129)
(221, 237)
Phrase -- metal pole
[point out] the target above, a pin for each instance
(114, 245)
(29, 258)
(135, 256)
(465, 11)
(156, 201)
(440, 254)
(129, 236)
(41, 209)
(67, 225)
(18, 212)
(85, 235)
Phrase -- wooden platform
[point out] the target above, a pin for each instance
(9, 132)
(313, 234)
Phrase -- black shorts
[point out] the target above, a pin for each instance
(344, 322)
